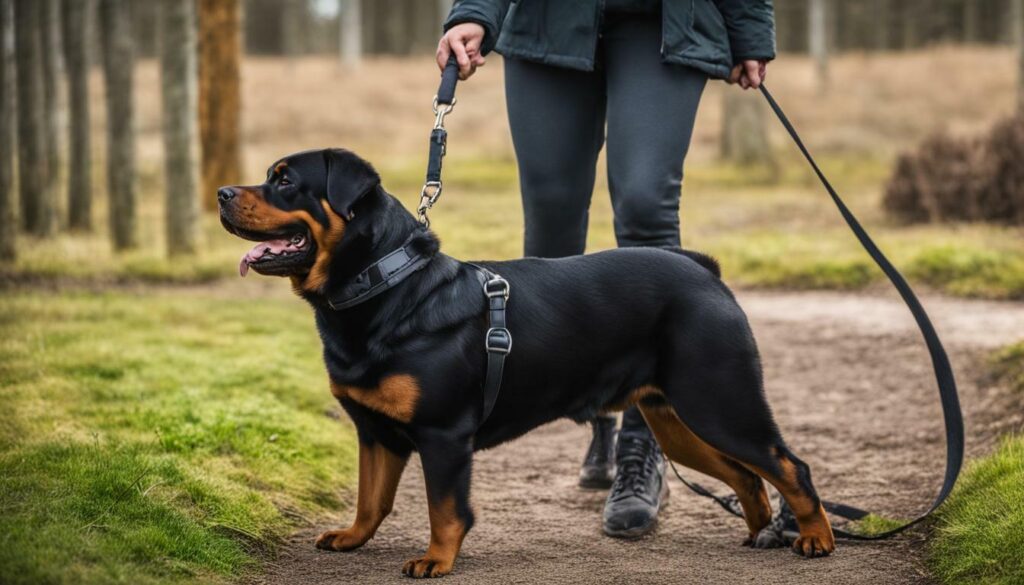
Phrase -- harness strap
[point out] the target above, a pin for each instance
(940, 362)
(380, 276)
(498, 339)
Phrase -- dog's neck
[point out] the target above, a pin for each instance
(379, 227)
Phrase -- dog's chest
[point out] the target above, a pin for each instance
(395, 396)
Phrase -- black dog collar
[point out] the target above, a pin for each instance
(380, 276)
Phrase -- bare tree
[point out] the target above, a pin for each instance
(745, 131)
(77, 21)
(1017, 16)
(818, 40)
(220, 98)
(32, 165)
(49, 22)
(350, 21)
(178, 90)
(118, 68)
(8, 219)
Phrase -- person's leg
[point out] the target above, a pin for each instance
(557, 120)
(651, 111)
(556, 116)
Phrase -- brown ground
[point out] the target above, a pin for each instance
(852, 390)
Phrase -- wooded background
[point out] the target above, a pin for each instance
(49, 48)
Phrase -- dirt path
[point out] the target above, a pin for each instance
(852, 390)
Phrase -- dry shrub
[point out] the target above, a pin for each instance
(958, 179)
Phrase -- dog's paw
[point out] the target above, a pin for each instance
(340, 540)
(813, 546)
(426, 567)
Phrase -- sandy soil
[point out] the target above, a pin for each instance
(852, 389)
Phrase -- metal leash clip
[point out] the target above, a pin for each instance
(444, 103)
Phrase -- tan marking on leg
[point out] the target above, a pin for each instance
(379, 472)
(446, 534)
(632, 398)
(396, 396)
(681, 445)
(816, 538)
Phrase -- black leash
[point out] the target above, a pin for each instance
(444, 103)
(940, 362)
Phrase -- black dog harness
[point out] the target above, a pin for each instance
(399, 264)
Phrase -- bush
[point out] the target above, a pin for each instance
(956, 179)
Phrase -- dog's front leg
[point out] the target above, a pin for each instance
(447, 460)
(379, 472)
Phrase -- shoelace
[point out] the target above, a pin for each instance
(637, 460)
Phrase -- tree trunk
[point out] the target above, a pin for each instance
(178, 90)
(77, 24)
(32, 164)
(118, 68)
(219, 96)
(745, 132)
(49, 22)
(818, 41)
(1018, 23)
(351, 29)
(8, 219)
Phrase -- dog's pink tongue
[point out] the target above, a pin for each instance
(262, 249)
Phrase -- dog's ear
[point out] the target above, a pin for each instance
(348, 179)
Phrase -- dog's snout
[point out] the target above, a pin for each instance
(225, 194)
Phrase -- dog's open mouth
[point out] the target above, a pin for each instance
(277, 256)
(281, 253)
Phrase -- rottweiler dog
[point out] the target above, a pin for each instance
(593, 333)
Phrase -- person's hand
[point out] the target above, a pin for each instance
(749, 74)
(464, 40)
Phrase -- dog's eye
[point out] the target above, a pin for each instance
(284, 182)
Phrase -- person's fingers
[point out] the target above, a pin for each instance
(744, 81)
(762, 70)
(734, 75)
(463, 59)
(751, 68)
(479, 60)
(443, 51)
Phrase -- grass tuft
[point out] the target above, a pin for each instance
(980, 531)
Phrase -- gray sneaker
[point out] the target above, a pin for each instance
(639, 490)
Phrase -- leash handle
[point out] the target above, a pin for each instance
(444, 103)
(944, 378)
(449, 79)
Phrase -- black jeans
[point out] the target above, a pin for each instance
(558, 118)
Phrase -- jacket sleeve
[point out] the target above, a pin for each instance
(751, 26)
(487, 13)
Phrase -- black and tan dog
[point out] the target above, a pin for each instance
(592, 333)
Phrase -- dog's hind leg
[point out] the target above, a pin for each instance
(682, 446)
(717, 393)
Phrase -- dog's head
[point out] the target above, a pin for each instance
(299, 214)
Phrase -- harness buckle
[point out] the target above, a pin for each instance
(500, 288)
(498, 340)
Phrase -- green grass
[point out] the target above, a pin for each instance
(1008, 365)
(979, 535)
(159, 438)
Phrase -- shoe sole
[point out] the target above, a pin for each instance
(595, 484)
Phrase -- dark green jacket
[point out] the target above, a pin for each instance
(709, 35)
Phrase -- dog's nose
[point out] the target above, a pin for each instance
(225, 194)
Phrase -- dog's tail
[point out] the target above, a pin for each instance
(708, 262)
